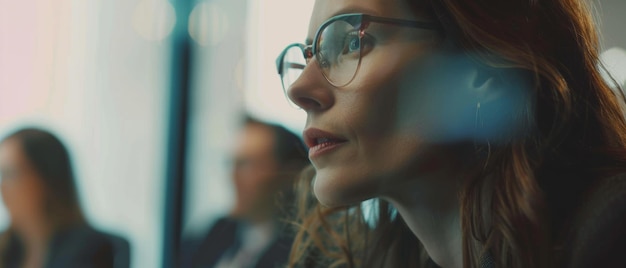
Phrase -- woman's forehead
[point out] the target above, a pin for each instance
(325, 9)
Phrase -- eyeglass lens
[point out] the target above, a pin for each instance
(338, 52)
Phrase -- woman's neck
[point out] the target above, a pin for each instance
(430, 207)
(438, 229)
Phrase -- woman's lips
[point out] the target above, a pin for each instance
(320, 142)
(324, 147)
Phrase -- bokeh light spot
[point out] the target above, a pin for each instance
(208, 24)
(154, 20)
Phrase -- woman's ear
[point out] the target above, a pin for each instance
(503, 99)
(451, 97)
(482, 78)
(484, 83)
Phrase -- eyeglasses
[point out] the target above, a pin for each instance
(337, 47)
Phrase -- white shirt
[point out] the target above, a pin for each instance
(254, 240)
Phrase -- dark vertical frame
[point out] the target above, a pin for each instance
(177, 139)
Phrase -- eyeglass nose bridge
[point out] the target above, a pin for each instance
(307, 51)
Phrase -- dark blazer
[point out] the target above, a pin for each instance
(597, 231)
(222, 237)
(598, 235)
(77, 247)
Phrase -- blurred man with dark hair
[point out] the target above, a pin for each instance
(267, 160)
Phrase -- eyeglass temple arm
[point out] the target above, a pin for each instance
(408, 23)
(279, 59)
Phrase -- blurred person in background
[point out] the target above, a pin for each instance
(267, 160)
(47, 225)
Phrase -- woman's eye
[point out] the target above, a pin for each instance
(352, 43)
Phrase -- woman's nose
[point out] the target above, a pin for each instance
(311, 91)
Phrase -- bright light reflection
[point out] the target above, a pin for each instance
(154, 19)
(208, 24)
(615, 61)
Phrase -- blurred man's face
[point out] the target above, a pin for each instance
(255, 174)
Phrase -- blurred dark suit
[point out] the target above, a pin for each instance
(222, 239)
(78, 247)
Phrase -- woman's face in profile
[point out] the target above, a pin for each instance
(364, 115)
(22, 191)
(413, 94)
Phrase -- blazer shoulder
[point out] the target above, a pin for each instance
(84, 246)
(598, 237)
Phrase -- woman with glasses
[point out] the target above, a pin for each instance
(480, 132)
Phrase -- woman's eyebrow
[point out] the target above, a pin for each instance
(356, 9)
(348, 10)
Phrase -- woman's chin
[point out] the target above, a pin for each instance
(333, 189)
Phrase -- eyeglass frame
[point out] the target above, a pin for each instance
(309, 51)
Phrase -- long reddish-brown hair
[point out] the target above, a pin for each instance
(578, 136)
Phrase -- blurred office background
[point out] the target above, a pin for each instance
(107, 76)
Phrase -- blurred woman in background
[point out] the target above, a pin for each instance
(47, 225)
(484, 128)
